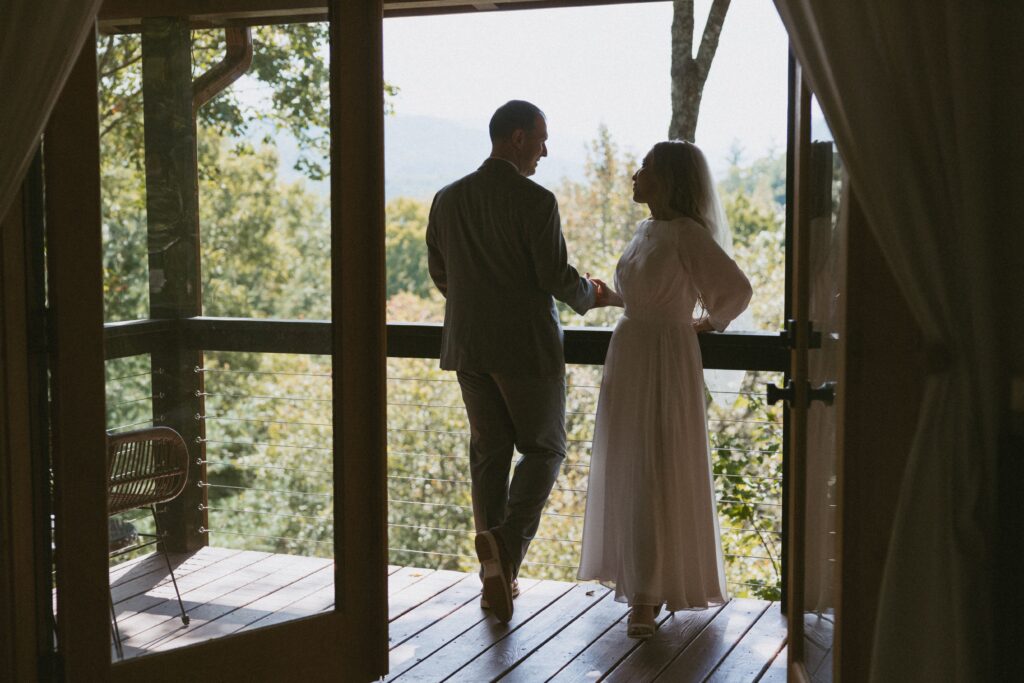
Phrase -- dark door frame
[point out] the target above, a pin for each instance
(350, 640)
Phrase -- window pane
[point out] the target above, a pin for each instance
(123, 179)
(243, 233)
(264, 195)
(602, 77)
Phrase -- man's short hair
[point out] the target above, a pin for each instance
(512, 116)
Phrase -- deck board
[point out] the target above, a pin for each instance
(141, 564)
(144, 577)
(405, 577)
(314, 597)
(603, 655)
(433, 610)
(824, 670)
(407, 599)
(561, 631)
(458, 651)
(160, 603)
(717, 639)
(202, 603)
(574, 639)
(243, 607)
(755, 651)
(818, 636)
(776, 672)
(676, 632)
(498, 659)
(427, 641)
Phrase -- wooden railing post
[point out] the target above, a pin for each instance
(172, 205)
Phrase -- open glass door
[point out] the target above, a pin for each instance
(815, 333)
(251, 448)
(820, 525)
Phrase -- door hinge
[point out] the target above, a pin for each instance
(788, 335)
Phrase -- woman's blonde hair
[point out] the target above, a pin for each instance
(684, 172)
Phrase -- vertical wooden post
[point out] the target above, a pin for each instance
(172, 206)
(75, 271)
(359, 345)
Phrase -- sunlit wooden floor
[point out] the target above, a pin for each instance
(561, 631)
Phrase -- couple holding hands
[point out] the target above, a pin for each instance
(497, 253)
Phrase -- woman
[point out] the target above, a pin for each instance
(651, 526)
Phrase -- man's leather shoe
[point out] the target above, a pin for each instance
(515, 594)
(496, 578)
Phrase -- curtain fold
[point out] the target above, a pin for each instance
(39, 42)
(907, 90)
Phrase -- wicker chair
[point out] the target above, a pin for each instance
(145, 468)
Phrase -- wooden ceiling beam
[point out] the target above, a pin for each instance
(125, 16)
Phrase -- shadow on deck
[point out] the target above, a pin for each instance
(561, 631)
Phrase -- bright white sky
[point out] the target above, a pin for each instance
(587, 66)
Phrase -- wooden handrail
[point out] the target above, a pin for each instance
(583, 345)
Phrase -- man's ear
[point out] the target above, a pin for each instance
(518, 138)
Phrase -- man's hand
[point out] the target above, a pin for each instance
(604, 295)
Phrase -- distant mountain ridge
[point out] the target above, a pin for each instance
(422, 154)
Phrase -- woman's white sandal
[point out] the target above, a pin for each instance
(642, 630)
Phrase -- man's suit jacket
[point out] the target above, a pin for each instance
(496, 252)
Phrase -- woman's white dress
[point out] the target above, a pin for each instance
(651, 526)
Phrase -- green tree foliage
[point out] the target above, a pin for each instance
(265, 244)
(125, 256)
(406, 225)
(289, 67)
(746, 443)
(269, 428)
(599, 217)
(288, 61)
(125, 266)
(754, 198)
(763, 179)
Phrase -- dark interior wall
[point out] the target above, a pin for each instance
(1009, 121)
(17, 614)
(881, 380)
(1008, 81)
(7, 651)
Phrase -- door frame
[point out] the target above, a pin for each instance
(798, 290)
(351, 638)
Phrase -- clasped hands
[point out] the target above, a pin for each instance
(603, 294)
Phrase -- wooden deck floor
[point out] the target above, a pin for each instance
(561, 631)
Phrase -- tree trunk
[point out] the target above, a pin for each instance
(689, 73)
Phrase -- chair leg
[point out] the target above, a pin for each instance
(114, 631)
(167, 559)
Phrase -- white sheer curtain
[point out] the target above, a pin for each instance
(906, 89)
(39, 42)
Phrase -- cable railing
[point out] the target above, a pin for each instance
(266, 451)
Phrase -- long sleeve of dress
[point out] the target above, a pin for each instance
(723, 287)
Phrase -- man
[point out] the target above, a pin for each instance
(497, 253)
